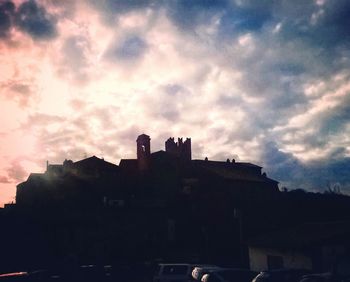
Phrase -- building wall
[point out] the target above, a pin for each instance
(291, 260)
(329, 255)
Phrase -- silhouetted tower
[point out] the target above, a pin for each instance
(143, 152)
(180, 149)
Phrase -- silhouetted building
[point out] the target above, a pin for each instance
(163, 202)
(70, 183)
(143, 152)
(180, 149)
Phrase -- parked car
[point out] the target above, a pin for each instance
(319, 277)
(83, 273)
(229, 275)
(34, 276)
(199, 271)
(14, 276)
(178, 272)
(339, 272)
(281, 275)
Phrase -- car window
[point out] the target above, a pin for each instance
(175, 269)
(157, 271)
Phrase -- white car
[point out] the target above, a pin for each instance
(199, 271)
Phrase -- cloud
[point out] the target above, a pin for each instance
(29, 17)
(75, 61)
(22, 91)
(34, 20)
(324, 27)
(123, 5)
(62, 8)
(130, 48)
(313, 175)
(16, 172)
(335, 120)
(233, 16)
(7, 9)
(244, 16)
(41, 119)
(189, 14)
(90, 131)
(78, 104)
(111, 8)
(4, 179)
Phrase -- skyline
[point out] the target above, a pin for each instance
(265, 82)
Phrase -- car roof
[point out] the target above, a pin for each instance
(282, 270)
(233, 269)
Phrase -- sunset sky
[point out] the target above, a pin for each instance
(260, 81)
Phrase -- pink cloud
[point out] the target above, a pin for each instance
(4, 179)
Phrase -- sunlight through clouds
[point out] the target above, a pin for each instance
(259, 82)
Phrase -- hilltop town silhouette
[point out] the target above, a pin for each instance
(165, 206)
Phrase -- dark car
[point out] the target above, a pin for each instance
(173, 272)
(281, 275)
(229, 275)
(320, 277)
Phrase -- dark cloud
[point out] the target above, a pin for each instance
(319, 25)
(289, 68)
(122, 6)
(283, 166)
(7, 9)
(335, 120)
(111, 9)
(249, 16)
(29, 17)
(329, 127)
(333, 26)
(189, 14)
(312, 175)
(174, 89)
(132, 47)
(34, 20)
(324, 27)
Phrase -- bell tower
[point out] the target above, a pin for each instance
(143, 152)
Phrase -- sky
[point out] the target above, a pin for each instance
(259, 81)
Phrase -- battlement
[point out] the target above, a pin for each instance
(180, 149)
